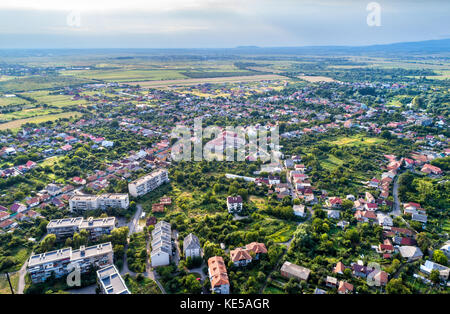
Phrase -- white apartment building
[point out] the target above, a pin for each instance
(110, 281)
(161, 244)
(62, 262)
(148, 182)
(92, 202)
(96, 227)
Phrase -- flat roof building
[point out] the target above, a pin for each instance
(148, 182)
(110, 281)
(61, 262)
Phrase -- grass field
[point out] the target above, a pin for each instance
(233, 79)
(5, 101)
(4, 285)
(123, 75)
(357, 141)
(16, 124)
(314, 79)
(284, 234)
(43, 97)
(39, 83)
(28, 113)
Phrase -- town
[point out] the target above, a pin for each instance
(356, 202)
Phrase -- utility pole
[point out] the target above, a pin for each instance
(9, 281)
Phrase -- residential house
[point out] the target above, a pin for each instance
(234, 204)
(191, 246)
(290, 270)
(218, 275)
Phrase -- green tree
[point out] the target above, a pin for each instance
(440, 258)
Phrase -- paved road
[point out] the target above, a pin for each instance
(22, 274)
(151, 273)
(133, 225)
(396, 211)
(85, 290)
(199, 270)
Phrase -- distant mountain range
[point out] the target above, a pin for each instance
(429, 47)
(417, 47)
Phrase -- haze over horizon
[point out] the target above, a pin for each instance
(216, 23)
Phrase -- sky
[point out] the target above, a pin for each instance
(218, 23)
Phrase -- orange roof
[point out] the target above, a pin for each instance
(256, 247)
(345, 286)
(239, 254)
(219, 280)
(218, 271)
(340, 267)
(158, 208)
(216, 265)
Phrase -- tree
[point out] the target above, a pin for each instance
(423, 241)
(347, 204)
(48, 242)
(435, 276)
(352, 235)
(244, 194)
(396, 286)
(440, 258)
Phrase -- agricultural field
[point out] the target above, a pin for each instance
(215, 80)
(44, 97)
(16, 124)
(315, 79)
(121, 75)
(357, 141)
(39, 83)
(7, 101)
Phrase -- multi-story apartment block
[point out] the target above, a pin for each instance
(62, 262)
(93, 202)
(161, 244)
(148, 182)
(66, 227)
(110, 281)
(113, 201)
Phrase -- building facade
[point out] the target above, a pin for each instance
(110, 281)
(64, 228)
(83, 203)
(148, 182)
(161, 244)
(61, 262)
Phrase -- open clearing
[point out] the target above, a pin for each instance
(233, 79)
(357, 141)
(51, 117)
(315, 79)
(4, 285)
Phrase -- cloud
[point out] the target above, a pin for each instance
(219, 23)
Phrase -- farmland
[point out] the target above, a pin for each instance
(187, 82)
(16, 124)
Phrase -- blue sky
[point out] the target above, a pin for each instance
(215, 23)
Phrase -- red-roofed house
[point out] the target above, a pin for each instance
(345, 287)
(430, 169)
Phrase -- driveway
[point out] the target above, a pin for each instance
(396, 211)
(133, 225)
